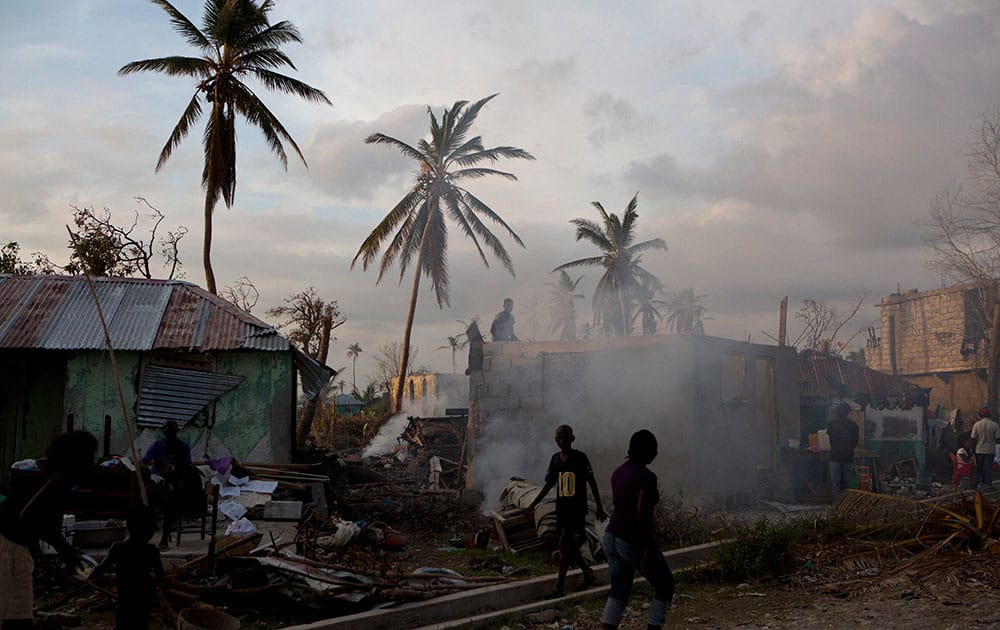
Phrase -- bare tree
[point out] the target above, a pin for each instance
(819, 317)
(100, 247)
(243, 294)
(304, 313)
(963, 241)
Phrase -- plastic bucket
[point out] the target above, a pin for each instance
(206, 619)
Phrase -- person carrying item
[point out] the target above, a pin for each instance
(630, 541)
(135, 562)
(986, 433)
(23, 523)
(569, 471)
(843, 434)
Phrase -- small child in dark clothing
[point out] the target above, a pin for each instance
(570, 471)
(134, 561)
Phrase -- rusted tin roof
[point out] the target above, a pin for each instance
(826, 376)
(58, 313)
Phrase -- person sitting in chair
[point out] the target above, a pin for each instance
(170, 459)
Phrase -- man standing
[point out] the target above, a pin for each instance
(843, 434)
(985, 432)
(503, 324)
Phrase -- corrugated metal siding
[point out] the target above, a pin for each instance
(26, 307)
(824, 376)
(58, 313)
(179, 321)
(180, 395)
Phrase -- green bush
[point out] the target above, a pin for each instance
(762, 549)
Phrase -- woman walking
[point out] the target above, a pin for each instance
(630, 539)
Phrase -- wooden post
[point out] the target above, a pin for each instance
(783, 321)
(994, 357)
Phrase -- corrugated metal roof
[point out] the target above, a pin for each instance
(827, 376)
(58, 313)
(180, 395)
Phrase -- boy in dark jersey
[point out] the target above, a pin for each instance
(569, 470)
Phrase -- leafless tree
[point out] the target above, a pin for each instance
(100, 247)
(963, 239)
(304, 313)
(243, 294)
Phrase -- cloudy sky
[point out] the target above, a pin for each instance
(779, 147)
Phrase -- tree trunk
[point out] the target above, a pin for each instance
(206, 249)
(354, 373)
(309, 411)
(994, 372)
(404, 359)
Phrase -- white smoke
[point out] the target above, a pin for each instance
(387, 437)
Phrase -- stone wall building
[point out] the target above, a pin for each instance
(719, 408)
(937, 339)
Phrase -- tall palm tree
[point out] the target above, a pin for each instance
(353, 352)
(446, 160)
(617, 290)
(454, 344)
(562, 303)
(236, 42)
(684, 313)
(646, 310)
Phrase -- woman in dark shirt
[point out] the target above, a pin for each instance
(24, 523)
(630, 538)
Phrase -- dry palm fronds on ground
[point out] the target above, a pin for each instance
(893, 543)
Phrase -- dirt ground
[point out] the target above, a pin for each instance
(773, 607)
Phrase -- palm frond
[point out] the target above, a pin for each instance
(405, 149)
(184, 26)
(476, 173)
(467, 117)
(654, 243)
(277, 34)
(175, 66)
(264, 58)
(370, 247)
(582, 262)
(282, 83)
(256, 113)
(479, 207)
(455, 212)
(181, 129)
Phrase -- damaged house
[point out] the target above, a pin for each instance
(719, 408)
(227, 378)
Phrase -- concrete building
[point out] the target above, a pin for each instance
(227, 378)
(430, 393)
(937, 340)
(719, 408)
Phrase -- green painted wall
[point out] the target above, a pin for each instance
(259, 408)
(261, 403)
(31, 405)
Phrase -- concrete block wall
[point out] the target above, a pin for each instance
(929, 329)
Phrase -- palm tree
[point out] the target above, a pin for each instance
(446, 160)
(618, 288)
(236, 42)
(353, 352)
(646, 308)
(563, 308)
(684, 313)
(454, 344)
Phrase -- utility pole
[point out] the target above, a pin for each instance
(783, 321)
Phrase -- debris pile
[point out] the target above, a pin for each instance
(899, 543)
